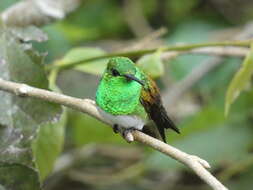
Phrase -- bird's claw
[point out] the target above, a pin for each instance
(127, 135)
(115, 128)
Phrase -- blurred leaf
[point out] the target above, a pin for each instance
(193, 30)
(152, 64)
(180, 9)
(56, 46)
(20, 118)
(242, 181)
(78, 54)
(93, 20)
(217, 146)
(190, 31)
(75, 33)
(212, 85)
(240, 81)
(50, 139)
(19, 66)
(78, 84)
(52, 76)
(6, 4)
(200, 122)
(48, 145)
(18, 177)
(30, 33)
(86, 129)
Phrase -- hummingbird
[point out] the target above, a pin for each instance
(130, 99)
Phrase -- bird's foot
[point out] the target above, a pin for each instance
(127, 134)
(115, 128)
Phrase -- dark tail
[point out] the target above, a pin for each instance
(159, 115)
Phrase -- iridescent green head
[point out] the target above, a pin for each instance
(124, 68)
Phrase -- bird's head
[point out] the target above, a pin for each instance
(123, 67)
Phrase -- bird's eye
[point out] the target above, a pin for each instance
(115, 72)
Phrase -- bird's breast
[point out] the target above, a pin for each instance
(118, 97)
(125, 121)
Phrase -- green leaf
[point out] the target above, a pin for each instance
(191, 30)
(78, 54)
(215, 80)
(243, 181)
(48, 145)
(18, 177)
(30, 33)
(101, 19)
(240, 81)
(50, 139)
(20, 118)
(179, 10)
(84, 132)
(152, 64)
(211, 145)
(200, 122)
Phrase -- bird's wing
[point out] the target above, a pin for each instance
(151, 100)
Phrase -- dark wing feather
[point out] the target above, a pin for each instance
(151, 100)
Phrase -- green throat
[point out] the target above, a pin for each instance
(118, 95)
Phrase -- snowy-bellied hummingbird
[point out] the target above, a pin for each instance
(130, 99)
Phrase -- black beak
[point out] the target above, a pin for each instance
(131, 77)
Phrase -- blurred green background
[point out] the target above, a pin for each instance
(102, 159)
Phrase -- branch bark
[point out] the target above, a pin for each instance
(185, 48)
(198, 165)
(215, 51)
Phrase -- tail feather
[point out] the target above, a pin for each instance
(151, 100)
(159, 115)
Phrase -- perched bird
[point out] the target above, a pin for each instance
(129, 98)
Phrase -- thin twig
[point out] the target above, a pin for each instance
(215, 51)
(150, 40)
(134, 53)
(89, 107)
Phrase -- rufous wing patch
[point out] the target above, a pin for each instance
(151, 100)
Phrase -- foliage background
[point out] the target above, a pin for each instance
(101, 159)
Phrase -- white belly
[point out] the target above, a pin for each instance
(125, 121)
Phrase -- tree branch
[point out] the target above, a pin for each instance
(89, 107)
(174, 48)
(214, 51)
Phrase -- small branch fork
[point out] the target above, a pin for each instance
(198, 165)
